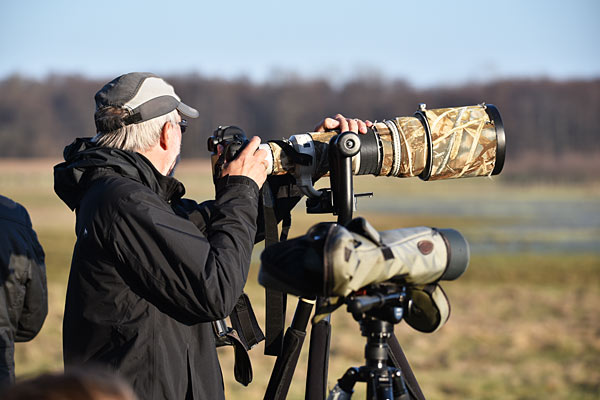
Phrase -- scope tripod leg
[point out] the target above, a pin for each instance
(285, 365)
(318, 360)
(401, 362)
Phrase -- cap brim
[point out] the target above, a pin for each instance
(187, 110)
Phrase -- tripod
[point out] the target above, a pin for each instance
(381, 342)
(376, 316)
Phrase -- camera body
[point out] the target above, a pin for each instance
(232, 138)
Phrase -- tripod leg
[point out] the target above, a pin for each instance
(399, 360)
(283, 371)
(318, 360)
(345, 387)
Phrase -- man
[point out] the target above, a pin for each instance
(23, 291)
(151, 270)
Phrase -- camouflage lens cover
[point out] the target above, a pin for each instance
(463, 142)
(442, 143)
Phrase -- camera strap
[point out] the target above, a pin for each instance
(244, 335)
(276, 301)
(243, 320)
(226, 336)
(296, 157)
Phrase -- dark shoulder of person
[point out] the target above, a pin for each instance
(13, 212)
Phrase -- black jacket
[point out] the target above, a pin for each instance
(23, 292)
(151, 270)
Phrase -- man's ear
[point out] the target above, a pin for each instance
(164, 135)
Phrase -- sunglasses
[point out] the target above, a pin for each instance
(183, 125)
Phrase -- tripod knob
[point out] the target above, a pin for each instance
(348, 144)
(395, 314)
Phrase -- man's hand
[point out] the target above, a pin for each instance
(250, 162)
(343, 124)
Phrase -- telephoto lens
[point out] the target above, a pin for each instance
(443, 143)
(455, 142)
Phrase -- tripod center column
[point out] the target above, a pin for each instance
(377, 333)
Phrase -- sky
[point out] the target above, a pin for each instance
(426, 43)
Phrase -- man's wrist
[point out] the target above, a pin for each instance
(228, 180)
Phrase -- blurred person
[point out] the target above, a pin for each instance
(23, 291)
(150, 269)
(82, 384)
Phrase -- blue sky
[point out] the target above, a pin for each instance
(426, 43)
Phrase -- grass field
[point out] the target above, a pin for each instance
(524, 321)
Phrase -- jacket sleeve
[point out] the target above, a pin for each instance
(35, 303)
(199, 214)
(192, 276)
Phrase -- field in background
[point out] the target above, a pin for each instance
(524, 321)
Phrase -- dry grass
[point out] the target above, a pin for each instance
(511, 335)
(523, 325)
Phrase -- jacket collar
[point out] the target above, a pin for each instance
(84, 161)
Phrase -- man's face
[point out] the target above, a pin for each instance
(175, 145)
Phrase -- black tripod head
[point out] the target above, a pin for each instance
(340, 198)
(377, 309)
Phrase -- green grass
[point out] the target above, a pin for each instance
(524, 325)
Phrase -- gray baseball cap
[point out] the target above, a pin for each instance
(144, 95)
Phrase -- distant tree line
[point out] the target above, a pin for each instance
(38, 118)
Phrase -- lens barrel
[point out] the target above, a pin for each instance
(370, 145)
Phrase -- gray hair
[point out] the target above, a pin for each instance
(136, 137)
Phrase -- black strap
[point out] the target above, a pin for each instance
(226, 336)
(275, 301)
(288, 149)
(242, 369)
(271, 230)
(244, 322)
(388, 254)
(285, 227)
(133, 118)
